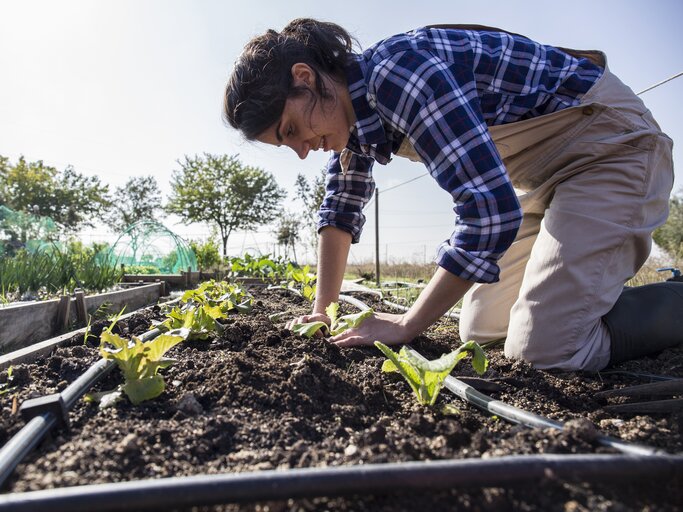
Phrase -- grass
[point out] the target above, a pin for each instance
(407, 272)
(648, 273)
(422, 273)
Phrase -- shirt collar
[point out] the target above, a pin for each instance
(368, 128)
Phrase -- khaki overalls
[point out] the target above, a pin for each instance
(594, 181)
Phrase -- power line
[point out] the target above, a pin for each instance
(384, 190)
(660, 83)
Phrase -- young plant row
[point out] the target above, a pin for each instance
(426, 378)
(276, 271)
(200, 313)
(53, 269)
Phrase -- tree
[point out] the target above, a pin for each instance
(311, 194)
(69, 198)
(220, 190)
(287, 232)
(138, 199)
(207, 253)
(670, 235)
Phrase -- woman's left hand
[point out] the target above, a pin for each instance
(385, 327)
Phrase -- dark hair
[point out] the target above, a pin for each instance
(261, 80)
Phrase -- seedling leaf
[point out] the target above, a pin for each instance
(309, 329)
(426, 377)
(349, 321)
(144, 389)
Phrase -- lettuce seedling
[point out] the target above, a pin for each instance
(199, 321)
(139, 363)
(227, 296)
(426, 377)
(337, 324)
(304, 278)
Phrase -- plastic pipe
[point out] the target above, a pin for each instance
(23, 443)
(31, 434)
(526, 418)
(272, 485)
(514, 414)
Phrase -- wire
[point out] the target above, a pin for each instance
(659, 83)
(405, 182)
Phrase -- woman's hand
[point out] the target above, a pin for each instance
(385, 327)
(314, 317)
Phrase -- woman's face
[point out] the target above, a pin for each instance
(306, 125)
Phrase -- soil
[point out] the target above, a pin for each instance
(259, 397)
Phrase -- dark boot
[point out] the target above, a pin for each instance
(644, 320)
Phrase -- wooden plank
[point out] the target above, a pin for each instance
(132, 298)
(44, 348)
(24, 324)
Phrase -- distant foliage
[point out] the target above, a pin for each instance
(311, 193)
(670, 236)
(207, 253)
(224, 193)
(138, 199)
(70, 199)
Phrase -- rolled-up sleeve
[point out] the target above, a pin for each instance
(436, 104)
(347, 194)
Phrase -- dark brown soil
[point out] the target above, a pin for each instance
(260, 398)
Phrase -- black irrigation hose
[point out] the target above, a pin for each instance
(388, 478)
(24, 441)
(529, 419)
(514, 414)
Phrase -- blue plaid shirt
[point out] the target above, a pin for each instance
(441, 89)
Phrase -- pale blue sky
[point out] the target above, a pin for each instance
(123, 88)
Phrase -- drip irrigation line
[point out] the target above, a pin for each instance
(387, 478)
(520, 416)
(529, 419)
(38, 427)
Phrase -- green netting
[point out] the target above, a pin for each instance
(148, 244)
(25, 230)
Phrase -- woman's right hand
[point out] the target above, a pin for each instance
(314, 317)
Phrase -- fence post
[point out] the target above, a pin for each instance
(377, 236)
(81, 312)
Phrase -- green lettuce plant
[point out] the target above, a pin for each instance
(198, 321)
(338, 324)
(303, 280)
(228, 296)
(426, 378)
(140, 363)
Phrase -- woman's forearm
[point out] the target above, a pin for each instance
(442, 292)
(333, 251)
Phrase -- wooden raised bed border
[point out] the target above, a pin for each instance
(23, 325)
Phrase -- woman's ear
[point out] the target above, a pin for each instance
(303, 74)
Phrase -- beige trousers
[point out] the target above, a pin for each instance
(594, 182)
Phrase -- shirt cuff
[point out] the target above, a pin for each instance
(466, 265)
(350, 227)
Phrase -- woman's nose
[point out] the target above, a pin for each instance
(303, 149)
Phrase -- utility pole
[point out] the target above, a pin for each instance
(377, 235)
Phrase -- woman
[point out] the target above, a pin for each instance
(485, 111)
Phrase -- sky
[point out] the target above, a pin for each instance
(126, 88)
